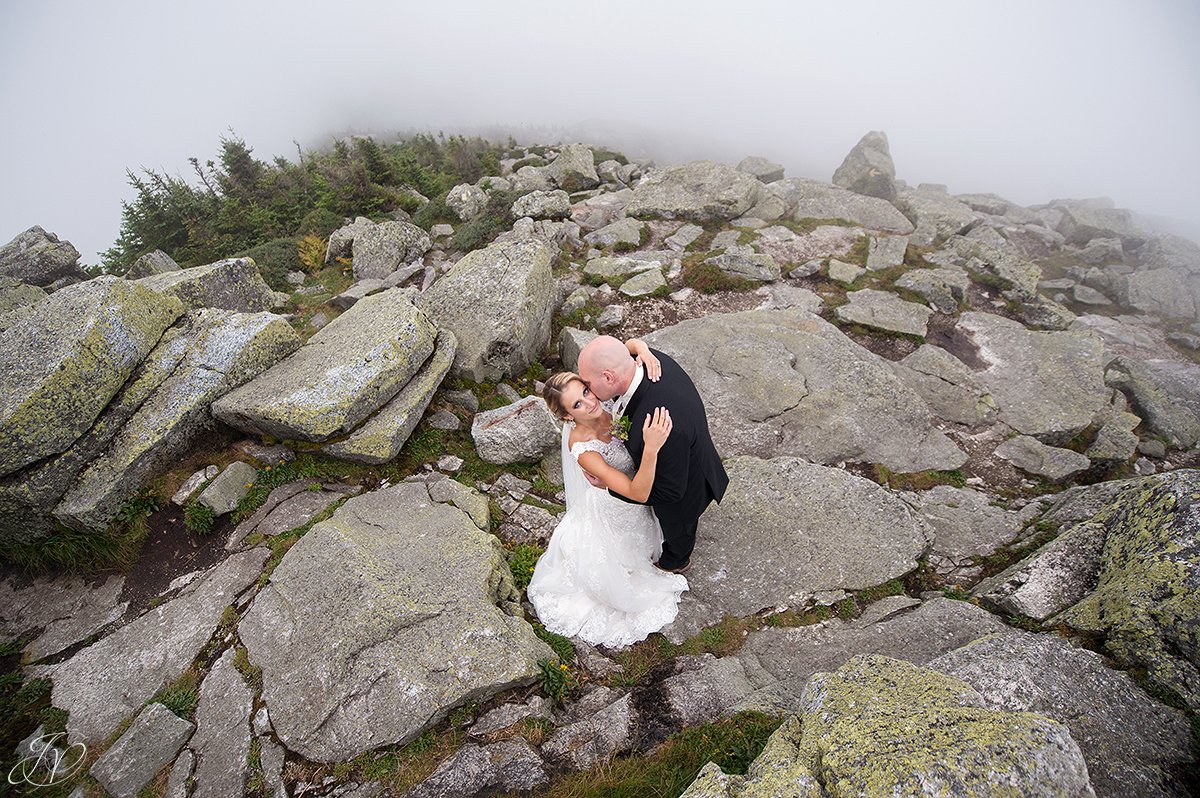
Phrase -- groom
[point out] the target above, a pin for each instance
(689, 474)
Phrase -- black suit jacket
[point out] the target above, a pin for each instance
(689, 469)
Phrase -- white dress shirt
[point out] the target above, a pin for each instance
(623, 400)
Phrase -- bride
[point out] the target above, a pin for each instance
(597, 580)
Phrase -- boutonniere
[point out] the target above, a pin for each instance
(620, 428)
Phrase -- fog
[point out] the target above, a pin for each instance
(1032, 100)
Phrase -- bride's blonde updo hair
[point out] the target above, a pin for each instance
(553, 391)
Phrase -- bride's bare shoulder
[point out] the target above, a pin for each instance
(577, 436)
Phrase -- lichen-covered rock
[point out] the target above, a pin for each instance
(543, 205)
(1162, 413)
(879, 726)
(381, 437)
(156, 262)
(744, 263)
(17, 300)
(219, 351)
(63, 363)
(1147, 597)
(498, 302)
(1132, 744)
(883, 310)
(827, 240)
(647, 282)
(595, 739)
(524, 431)
(231, 284)
(618, 267)
(626, 232)
(510, 765)
(114, 676)
(886, 252)
(379, 250)
(230, 487)
(1049, 385)
(935, 213)
(868, 168)
(341, 375)
(467, 201)
(39, 258)
(777, 771)
(66, 609)
(381, 620)
(785, 382)
(990, 260)
(787, 530)
(341, 241)
(696, 191)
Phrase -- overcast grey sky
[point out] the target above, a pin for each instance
(1031, 99)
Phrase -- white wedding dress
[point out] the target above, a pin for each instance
(597, 580)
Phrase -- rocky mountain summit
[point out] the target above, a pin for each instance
(959, 553)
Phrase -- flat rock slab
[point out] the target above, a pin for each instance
(498, 302)
(151, 743)
(812, 199)
(63, 363)
(341, 375)
(1034, 457)
(965, 524)
(230, 487)
(787, 530)
(1049, 385)
(231, 284)
(221, 743)
(789, 247)
(916, 633)
(67, 610)
(223, 350)
(1131, 743)
(381, 620)
(883, 310)
(951, 390)
(697, 191)
(114, 676)
(785, 382)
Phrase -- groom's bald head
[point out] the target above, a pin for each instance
(606, 366)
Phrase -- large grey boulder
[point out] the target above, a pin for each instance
(785, 382)
(945, 289)
(825, 241)
(221, 743)
(39, 258)
(788, 530)
(498, 302)
(934, 213)
(626, 231)
(883, 310)
(1132, 744)
(574, 169)
(1145, 601)
(523, 431)
(156, 262)
(348, 370)
(948, 387)
(63, 363)
(868, 168)
(880, 726)
(218, 351)
(231, 284)
(341, 241)
(966, 524)
(417, 615)
(381, 249)
(1051, 579)
(605, 208)
(381, 437)
(784, 658)
(696, 191)
(1163, 414)
(812, 199)
(1163, 292)
(1049, 385)
(762, 169)
(152, 742)
(110, 679)
(1082, 223)
(744, 263)
(990, 260)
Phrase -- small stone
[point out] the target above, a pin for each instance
(193, 483)
(273, 455)
(1152, 448)
(613, 316)
(844, 273)
(463, 399)
(885, 252)
(295, 278)
(230, 487)
(450, 463)
(683, 237)
(642, 284)
(444, 419)
(1144, 467)
(683, 294)
(1031, 455)
(441, 230)
(807, 269)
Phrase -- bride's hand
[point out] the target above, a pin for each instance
(656, 428)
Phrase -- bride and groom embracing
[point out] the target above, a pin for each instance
(635, 487)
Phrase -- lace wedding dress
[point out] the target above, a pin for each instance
(597, 580)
